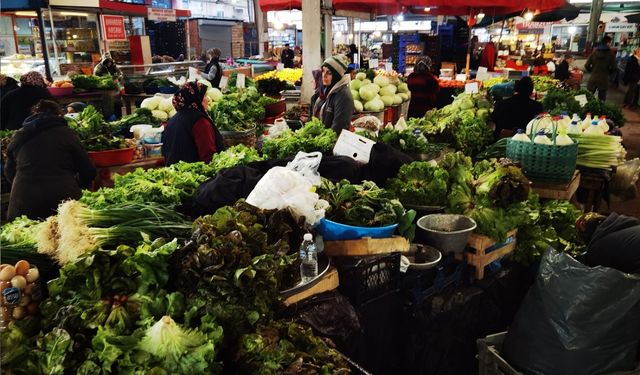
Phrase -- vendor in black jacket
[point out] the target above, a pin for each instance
(515, 113)
(562, 71)
(16, 105)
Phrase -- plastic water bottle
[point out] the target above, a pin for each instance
(574, 128)
(587, 122)
(594, 128)
(576, 118)
(520, 136)
(542, 138)
(309, 258)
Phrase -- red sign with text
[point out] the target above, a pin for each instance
(113, 27)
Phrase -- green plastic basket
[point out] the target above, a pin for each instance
(549, 163)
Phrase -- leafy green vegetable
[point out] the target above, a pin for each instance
(238, 111)
(272, 86)
(95, 134)
(313, 136)
(233, 156)
(20, 233)
(91, 82)
(420, 183)
(504, 184)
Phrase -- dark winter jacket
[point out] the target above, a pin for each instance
(287, 57)
(177, 139)
(632, 71)
(424, 90)
(11, 85)
(16, 105)
(337, 110)
(601, 63)
(46, 164)
(213, 72)
(616, 244)
(514, 113)
(562, 71)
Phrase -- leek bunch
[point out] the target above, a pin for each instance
(599, 151)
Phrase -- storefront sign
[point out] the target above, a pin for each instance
(75, 3)
(536, 28)
(119, 45)
(163, 15)
(113, 27)
(620, 27)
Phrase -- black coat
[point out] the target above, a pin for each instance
(515, 113)
(46, 164)
(632, 71)
(16, 105)
(616, 244)
(287, 58)
(562, 71)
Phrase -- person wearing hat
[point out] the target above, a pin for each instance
(423, 87)
(333, 103)
(107, 67)
(16, 106)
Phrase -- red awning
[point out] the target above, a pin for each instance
(134, 9)
(273, 5)
(498, 5)
(370, 6)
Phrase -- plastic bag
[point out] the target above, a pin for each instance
(369, 123)
(279, 127)
(576, 320)
(625, 177)
(307, 165)
(282, 188)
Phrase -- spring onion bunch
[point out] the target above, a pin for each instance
(78, 229)
(599, 151)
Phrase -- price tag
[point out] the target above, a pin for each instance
(482, 74)
(582, 99)
(388, 67)
(240, 81)
(373, 63)
(461, 77)
(280, 66)
(471, 88)
(354, 146)
(193, 74)
(224, 80)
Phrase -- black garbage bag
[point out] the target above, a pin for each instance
(384, 163)
(576, 320)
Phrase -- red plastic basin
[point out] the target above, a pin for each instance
(110, 158)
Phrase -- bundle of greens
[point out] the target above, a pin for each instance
(406, 141)
(313, 136)
(139, 116)
(234, 156)
(83, 82)
(288, 348)
(420, 183)
(78, 229)
(232, 84)
(544, 83)
(156, 83)
(95, 134)
(273, 86)
(239, 111)
(599, 151)
(557, 101)
(503, 184)
(21, 233)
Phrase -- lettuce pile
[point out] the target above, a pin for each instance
(313, 136)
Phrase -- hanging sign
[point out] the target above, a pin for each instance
(162, 15)
(612, 27)
(113, 27)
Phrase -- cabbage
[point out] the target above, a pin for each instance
(355, 95)
(381, 81)
(375, 105)
(387, 100)
(404, 96)
(166, 105)
(397, 99)
(388, 90)
(358, 106)
(367, 92)
(172, 112)
(214, 94)
(403, 87)
(205, 82)
(366, 82)
(361, 76)
(151, 103)
(160, 115)
(355, 85)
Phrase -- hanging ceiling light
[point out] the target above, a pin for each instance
(572, 30)
(528, 16)
(350, 36)
(427, 9)
(480, 16)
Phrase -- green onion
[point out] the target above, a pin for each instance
(599, 151)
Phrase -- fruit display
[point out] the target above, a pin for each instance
(20, 291)
(386, 90)
(62, 84)
(414, 48)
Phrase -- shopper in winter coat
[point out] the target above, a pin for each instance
(286, 56)
(333, 103)
(562, 71)
(612, 241)
(213, 70)
(631, 78)
(46, 164)
(190, 135)
(601, 63)
(516, 112)
(7, 84)
(423, 86)
(107, 67)
(16, 105)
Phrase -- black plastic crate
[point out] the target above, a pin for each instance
(365, 278)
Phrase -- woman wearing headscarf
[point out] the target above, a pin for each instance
(213, 71)
(7, 84)
(16, 105)
(333, 103)
(107, 67)
(190, 134)
(423, 87)
(46, 164)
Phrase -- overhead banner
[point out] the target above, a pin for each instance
(113, 27)
(162, 15)
(612, 27)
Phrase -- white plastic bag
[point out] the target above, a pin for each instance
(282, 188)
(307, 165)
(279, 126)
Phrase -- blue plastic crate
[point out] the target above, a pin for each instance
(332, 231)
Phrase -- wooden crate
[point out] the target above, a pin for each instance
(480, 258)
(367, 246)
(330, 281)
(557, 191)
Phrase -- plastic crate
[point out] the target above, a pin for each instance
(489, 360)
(365, 278)
(422, 285)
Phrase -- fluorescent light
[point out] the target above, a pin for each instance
(528, 16)
(427, 9)
(78, 14)
(350, 36)
(401, 17)
(480, 16)
(26, 14)
(572, 30)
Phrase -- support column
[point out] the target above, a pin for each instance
(596, 12)
(261, 22)
(311, 20)
(43, 43)
(328, 30)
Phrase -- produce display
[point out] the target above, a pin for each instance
(313, 136)
(95, 134)
(489, 83)
(407, 141)
(232, 84)
(544, 83)
(272, 86)
(161, 107)
(62, 84)
(420, 183)
(83, 82)
(20, 290)
(155, 84)
(385, 90)
(599, 151)
(21, 233)
(289, 75)
(239, 111)
(558, 100)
